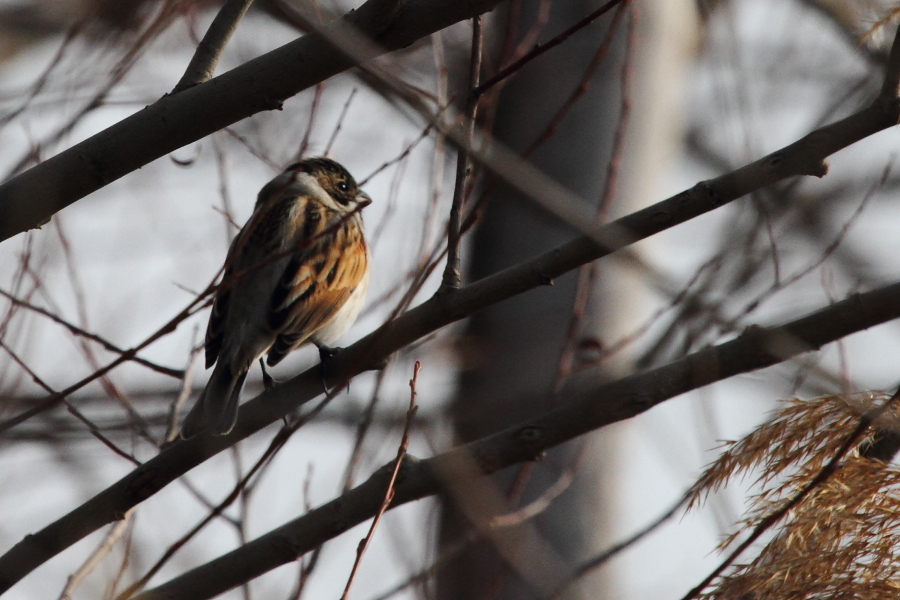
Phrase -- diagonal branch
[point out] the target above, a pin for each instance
(587, 410)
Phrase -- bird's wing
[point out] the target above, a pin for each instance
(215, 329)
(316, 283)
(260, 237)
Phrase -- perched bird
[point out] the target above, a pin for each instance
(296, 273)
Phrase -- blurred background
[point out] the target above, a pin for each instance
(646, 101)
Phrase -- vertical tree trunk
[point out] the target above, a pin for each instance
(516, 345)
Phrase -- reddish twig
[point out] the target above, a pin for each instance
(389, 493)
(587, 275)
(340, 123)
(274, 446)
(313, 111)
(362, 430)
(92, 428)
(177, 373)
(541, 48)
(582, 88)
(603, 558)
(406, 152)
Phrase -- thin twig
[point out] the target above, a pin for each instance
(92, 428)
(105, 547)
(340, 122)
(389, 493)
(313, 111)
(274, 446)
(203, 63)
(512, 519)
(583, 85)
(541, 48)
(603, 558)
(452, 275)
(107, 345)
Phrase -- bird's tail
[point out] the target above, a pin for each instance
(217, 407)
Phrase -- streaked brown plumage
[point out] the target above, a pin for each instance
(297, 272)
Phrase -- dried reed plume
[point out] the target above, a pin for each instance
(843, 539)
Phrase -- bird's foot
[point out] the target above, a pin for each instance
(326, 356)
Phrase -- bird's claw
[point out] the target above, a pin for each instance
(268, 381)
(326, 369)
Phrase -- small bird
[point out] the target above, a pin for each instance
(296, 273)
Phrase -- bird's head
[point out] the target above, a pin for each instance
(342, 191)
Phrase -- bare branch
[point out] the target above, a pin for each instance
(601, 559)
(203, 63)
(452, 275)
(91, 336)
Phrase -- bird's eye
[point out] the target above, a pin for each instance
(343, 186)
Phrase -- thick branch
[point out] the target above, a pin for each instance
(591, 409)
(804, 157)
(30, 199)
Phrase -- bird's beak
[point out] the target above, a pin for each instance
(363, 199)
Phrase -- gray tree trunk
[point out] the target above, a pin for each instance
(516, 345)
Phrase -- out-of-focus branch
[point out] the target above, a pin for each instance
(112, 538)
(32, 197)
(588, 410)
(178, 374)
(804, 157)
(206, 57)
(541, 48)
(846, 16)
(592, 564)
